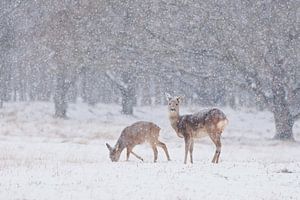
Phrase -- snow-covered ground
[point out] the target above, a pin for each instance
(46, 158)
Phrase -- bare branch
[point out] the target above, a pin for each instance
(121, 85)
(296, 117)
(193, 74)
(252, 78)
(11, 11)
(295, 91)
(201, 52)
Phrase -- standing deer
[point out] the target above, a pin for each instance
(209, 122)
(137, 133)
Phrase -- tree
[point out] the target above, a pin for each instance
(255, 44)
(261, 43)
(6, 44)
(61, 38)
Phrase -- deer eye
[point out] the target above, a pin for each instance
(176, 104)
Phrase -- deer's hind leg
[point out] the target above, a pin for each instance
(164, 147)
(154, 148)
(216, 138)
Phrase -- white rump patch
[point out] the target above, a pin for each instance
(221, 124)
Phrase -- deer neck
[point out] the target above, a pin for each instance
(120, 145)
(174, 119)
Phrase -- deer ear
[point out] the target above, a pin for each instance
(109, 147)
(168, 96)
(179, 98)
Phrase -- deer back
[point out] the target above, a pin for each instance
(138, 133)
(202, 123)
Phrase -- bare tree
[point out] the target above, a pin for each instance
(263, 51)
(6, 44)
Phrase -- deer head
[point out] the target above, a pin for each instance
(114, 152)
(173, 104)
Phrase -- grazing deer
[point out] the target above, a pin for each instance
(209, 122)
(137, 133)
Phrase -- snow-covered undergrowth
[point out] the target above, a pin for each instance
(46, 158)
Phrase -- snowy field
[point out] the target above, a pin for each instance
(46, 158)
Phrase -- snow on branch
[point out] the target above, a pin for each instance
(296, 90)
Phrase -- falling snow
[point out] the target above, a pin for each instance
(74, 73)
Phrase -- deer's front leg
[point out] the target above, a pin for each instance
(164, 147)
(128, 153)
(191, 149)
(139, 157)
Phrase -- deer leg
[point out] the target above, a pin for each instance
(216, 138)
(154, 148)
(191, 150)
(219, 145)
(137, 156)
(128, 153)
(164, 147)
(187, 141)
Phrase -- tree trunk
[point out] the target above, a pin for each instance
(284, 121)
(1, 86)
(283, 118)
(128, 94)
(5, 78)
(128, 101)
(65, 78)
(60, 106)
(60, 100)
(284, 126)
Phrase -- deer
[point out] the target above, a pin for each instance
(135, 134)
(207, 122)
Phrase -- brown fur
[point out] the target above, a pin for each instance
(135, 134)
(210, 122)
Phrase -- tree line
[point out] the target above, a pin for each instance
(224, 53)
